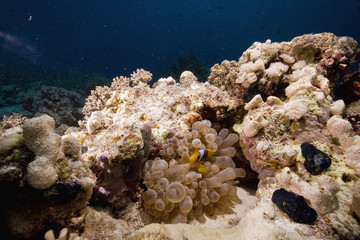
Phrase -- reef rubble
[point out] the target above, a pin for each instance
(171, 160)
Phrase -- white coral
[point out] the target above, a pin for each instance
(276, 70)
(323, 83)
(321, 199)
(352, 157)
(254, 102)
(303, 80)
(250, 127)
(287, 58)
(94, 122)
(299, 65)
(258, 65)
(341, 129)
(40, 139)
(247, 74)
(272, 100)
(294, 110)
(338, 107)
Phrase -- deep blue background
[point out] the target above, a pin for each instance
(114, 37)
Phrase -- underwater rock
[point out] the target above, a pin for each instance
(265, 67)
(33, 199)
(316, 161)
(349, 89)
(355, 205)
(118, 169)
(352, 114)
(287, 89)
(294, 206)
(320, 193)
(63, 192)
(12, 123)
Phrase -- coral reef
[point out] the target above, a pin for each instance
(40, 139)
(264, 68)
(96, 100)
(189, 63)
(134, 123)
(63, 105)
(349, 89)
(286, 87)
(156, 159)
(9, 101)
(176, 187)
(45, 178)
(99, 97)
(11, 123)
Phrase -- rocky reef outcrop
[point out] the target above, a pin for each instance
(44, 178)
(180, 152)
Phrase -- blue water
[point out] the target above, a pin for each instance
(115, 37)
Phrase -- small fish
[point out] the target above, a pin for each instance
(198, 157)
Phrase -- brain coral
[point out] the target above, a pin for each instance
(177, 188)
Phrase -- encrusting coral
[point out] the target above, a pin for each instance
(176, 188)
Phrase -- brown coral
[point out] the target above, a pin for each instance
(8, 122)
(140, 76)
(97, 100)
(119, 83)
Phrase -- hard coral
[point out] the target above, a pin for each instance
(282, 122)
(40, 139)
(10, 122)
(45, 179)
(141, 76)
(97, 100)
(163, 106)
(176, 189)
(119, 83)
(63, 105)
(265, 67)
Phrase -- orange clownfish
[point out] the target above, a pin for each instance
(198, 157)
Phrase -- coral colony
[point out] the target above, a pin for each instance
(169, 161)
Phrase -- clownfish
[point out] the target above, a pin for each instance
(198, 157)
